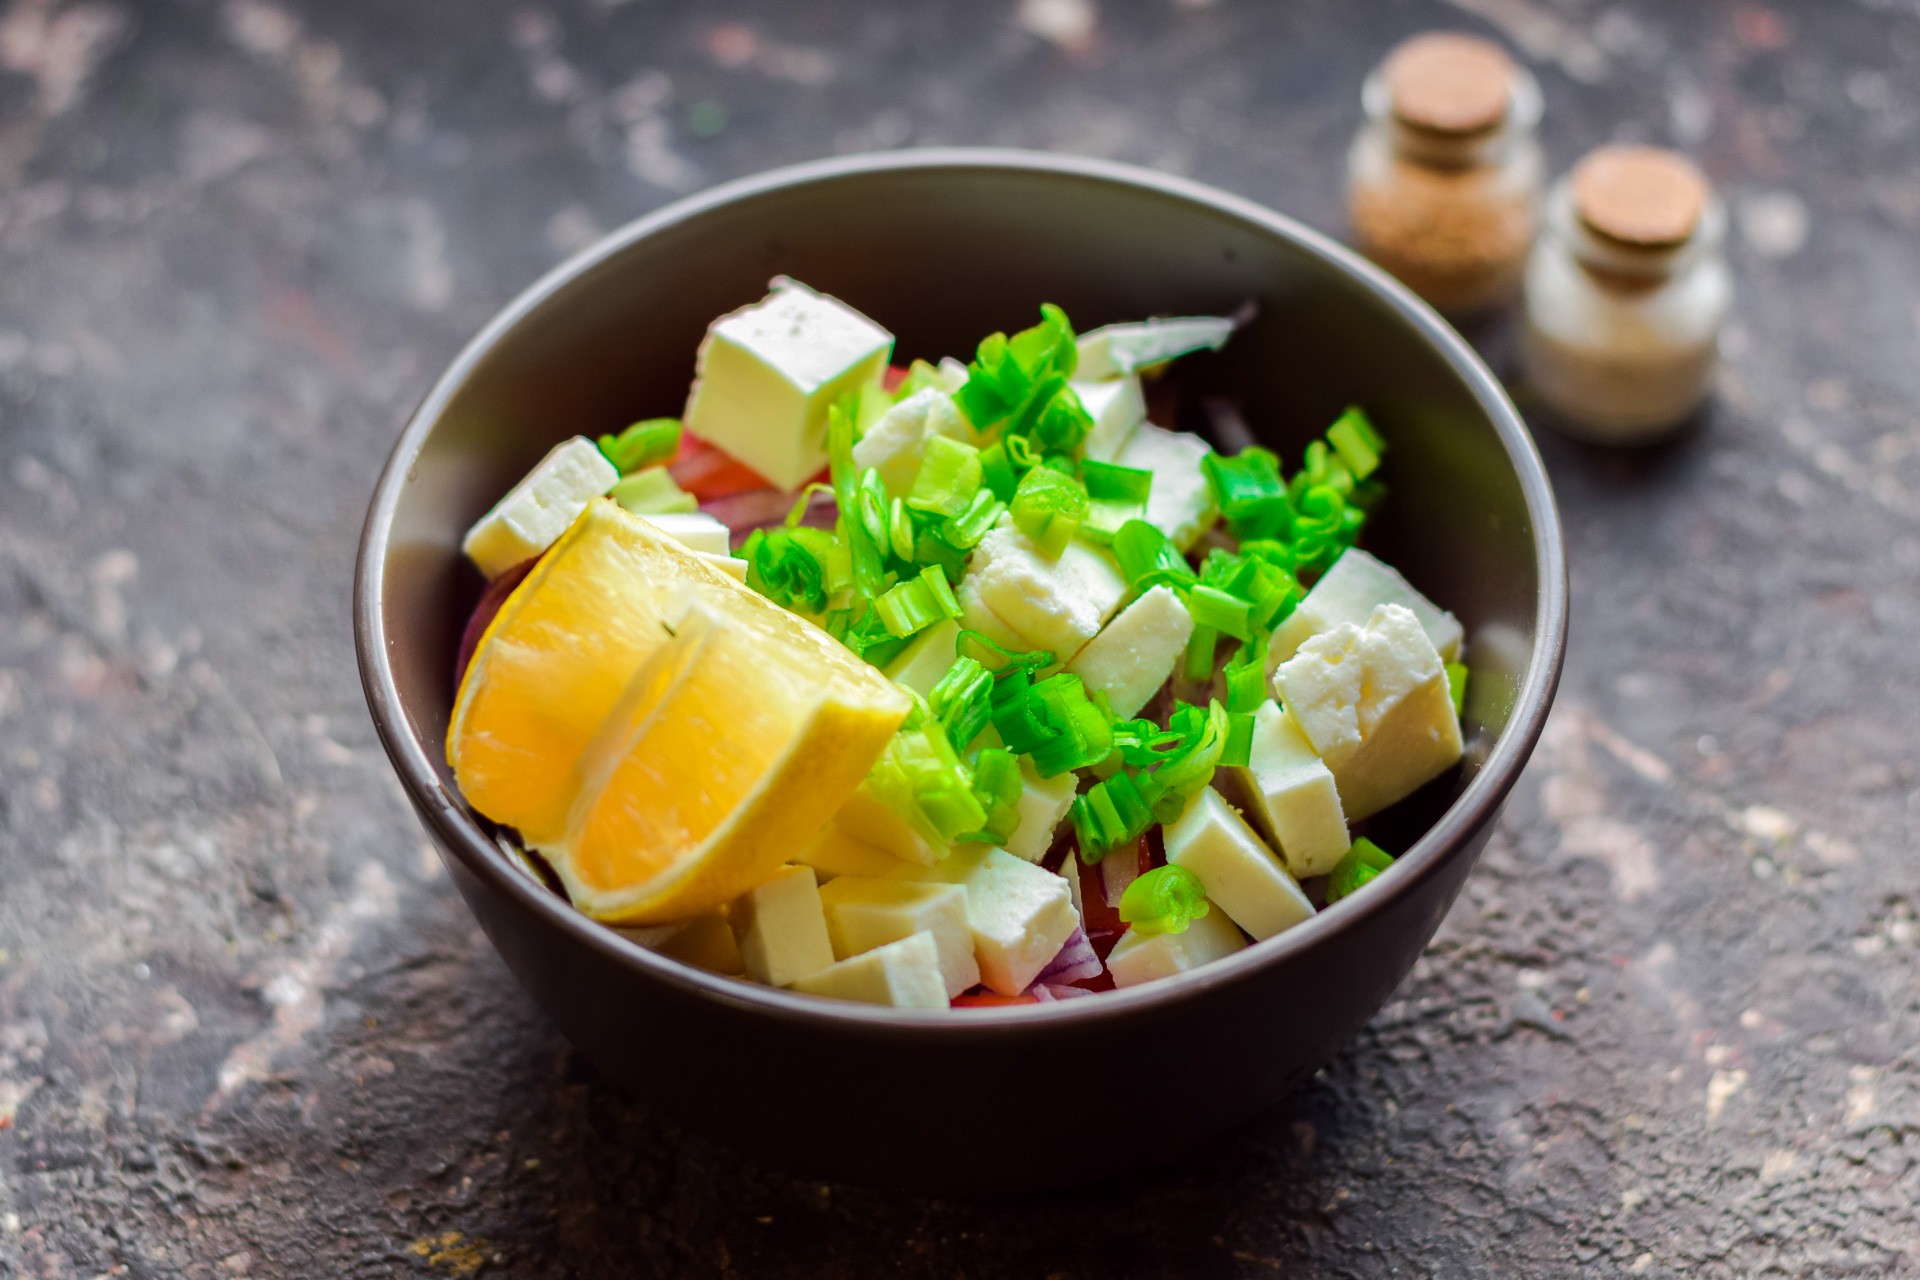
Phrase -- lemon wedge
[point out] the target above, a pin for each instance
(665, 736)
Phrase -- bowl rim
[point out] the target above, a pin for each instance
(446, 815)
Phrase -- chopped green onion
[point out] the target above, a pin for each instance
(652, 492)
(1111, 813)
(916, 604)
(1457, 687)
(1048, 507)
(1008, 660)
(900, 533)
(1238, 751)
(920, 777)
(920, 376)
(964, 531)
(1198, 666)
(949, 478)
(643, 444)
(1148, 557)
(1215, 610)
(1248, 491)
(997, 785)
(1142, 742)
(860, 628)
(1004, 373)
(1056, 724)
(1361, 863)
(863, 547)
(1164, 900)
(1108, 481)
(790, 566)
(1357, 443)
(1246, 675)
(1190, 765)
(870, 403)
(962, 701)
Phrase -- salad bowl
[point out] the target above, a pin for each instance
(949, 244)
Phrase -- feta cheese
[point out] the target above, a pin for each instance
(767, 373)
(1115, 349)
(1292, 795)
(864, 913)
(1142, 957)
(926, 657)
(835, 853)
(1135, 653)
(1020, 914)
(1242, 877)
(538, 510)
(1042, 807)
(695, 530)
(1117, 408)
(732, 566)
(904, 974)
(1180, 504)
(782, 928)
(1055, 604)
(896, 443)
(1373, 701)
(976, 616)
(872, 821)
(1349, 592)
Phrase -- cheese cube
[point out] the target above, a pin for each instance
(1020, 914)
(733, 566)
(1292, 795)
(1042, 806)
(695, 530)
(1241, 875)
(904, 974)
(1349, 592)
(896, 444)
(767, 374)
(1180, 504)
(1373, 701)
(1135, 653)
(976, 616)
(1117, 409)
(926, 657)
(1142, 957)
(538, 510)
(871, 820)
(706, 942)
(782, 928)
(1057, 604)
(1115, 349)
(864, 913)
(835, 853)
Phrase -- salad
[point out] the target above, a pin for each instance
(946, 684)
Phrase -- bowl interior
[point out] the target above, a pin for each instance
(942, 252)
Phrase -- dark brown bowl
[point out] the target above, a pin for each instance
(942, 247)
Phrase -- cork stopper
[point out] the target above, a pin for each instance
(1449, 82)
(1647, 197)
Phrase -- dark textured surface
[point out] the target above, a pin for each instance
(245, 1027)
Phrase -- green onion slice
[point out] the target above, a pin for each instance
(1164, 900)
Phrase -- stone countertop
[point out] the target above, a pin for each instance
(246, 1026)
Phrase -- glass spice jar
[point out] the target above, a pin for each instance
(1444, 178)
(1625, 295)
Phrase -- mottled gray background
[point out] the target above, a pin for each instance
(247, 1029)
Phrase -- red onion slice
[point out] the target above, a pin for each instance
(1076, 962)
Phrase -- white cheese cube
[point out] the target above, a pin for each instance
(1020, 914)
(767, 374)
(1242, 877)
(732, 566)
(1135, 653)
(695, 530)
(538, 510)
(904, 974)
(1373, 701)
(896, 444)
(871, 820)
(1116, 349)
(782, 928)
(864, 913)
(1292, 795)
(1180, 504)
(976, 616)
(1117, 409)
(1056, 604)
(835, 853)
(1349, 592)
(1042, 807)
(1142, 957)
(926, 657)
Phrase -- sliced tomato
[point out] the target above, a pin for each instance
(895, 375)
(987, 1000)
(707, 473)
(1096, 915)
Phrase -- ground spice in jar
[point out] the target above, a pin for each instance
(1444, 178)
